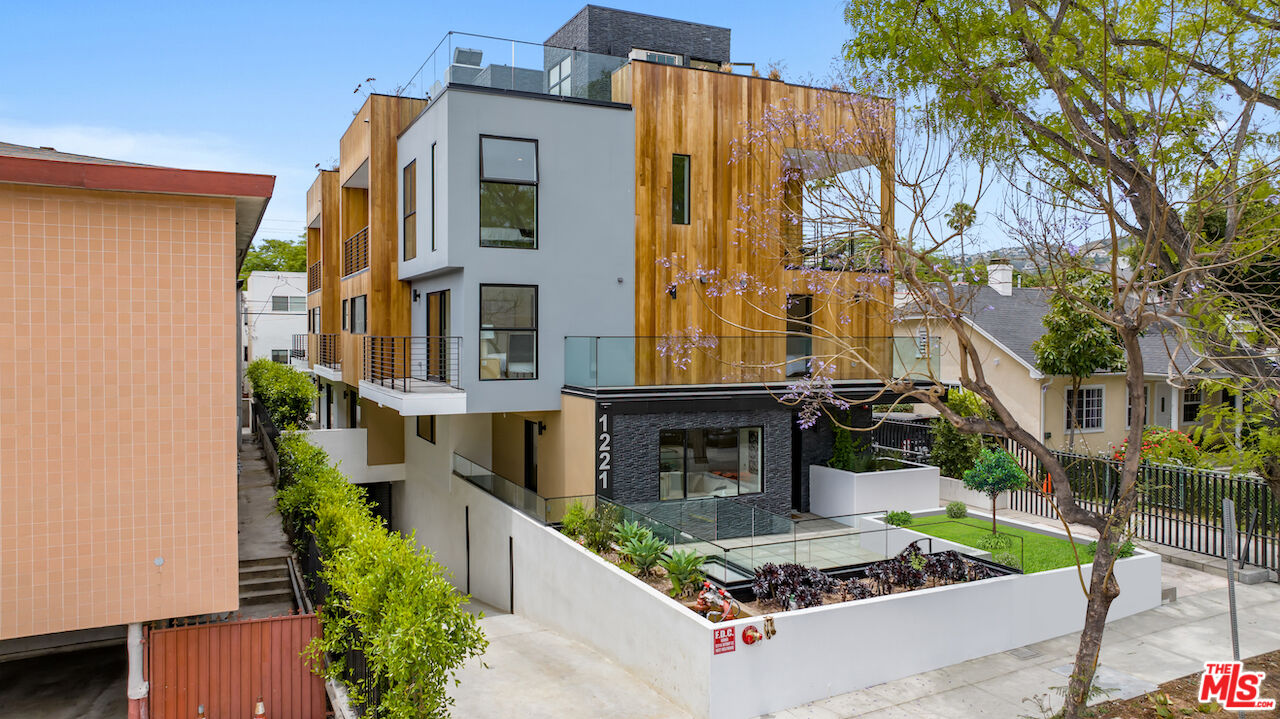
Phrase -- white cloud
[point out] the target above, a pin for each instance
(195, 151)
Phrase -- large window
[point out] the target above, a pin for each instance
(558, 77)
(719, 462)
(410, 186)
(281, 356)
(282, 303)
(359, 316)
(1191, 400)
(680, 189)
(1085, 409)
(508, 193)
(508, 332)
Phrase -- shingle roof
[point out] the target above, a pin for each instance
(1016, 321)
(8, 149)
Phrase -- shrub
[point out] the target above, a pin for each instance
(285, 393)
(1161, 445)
(597, 532)
(388, 597)
(628, 532)
(849, 453)
(575, 520)
(994, 542)
(957, 510)
(644, 551)
(684, 569)
(898, 519)
(952, 451)
(792, 584)
(1008, 559)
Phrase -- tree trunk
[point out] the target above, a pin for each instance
(993, 514)
(1103, 589)
(1071, 412)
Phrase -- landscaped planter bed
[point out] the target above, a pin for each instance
(1039, 552)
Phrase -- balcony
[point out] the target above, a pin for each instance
(298, 352)
(596, 362)
(313, 277)
(355, 252)
(549, 510)
(326, 356)
(490, 62)
(413, 375)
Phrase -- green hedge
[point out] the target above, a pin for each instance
(284, 392)
(388, 597)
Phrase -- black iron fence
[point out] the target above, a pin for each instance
(355, 252)
(1178, 506)
(911, 438)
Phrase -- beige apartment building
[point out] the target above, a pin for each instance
(118, 431)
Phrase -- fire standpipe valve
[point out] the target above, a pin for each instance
(751, 635)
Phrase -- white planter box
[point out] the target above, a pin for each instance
(836, 493)
(953, 490)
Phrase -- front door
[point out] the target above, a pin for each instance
(328, 406)
(531, 455)
(353, 408)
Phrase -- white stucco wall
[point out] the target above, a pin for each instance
(835, 492)
(348, 448)
(267, 329)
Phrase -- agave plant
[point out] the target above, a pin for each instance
(684, 569)
(644, 551)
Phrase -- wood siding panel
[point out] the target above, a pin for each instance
(700, 114)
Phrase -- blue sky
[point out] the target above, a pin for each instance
(268, 86)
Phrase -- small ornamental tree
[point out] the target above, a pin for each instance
(996, 471)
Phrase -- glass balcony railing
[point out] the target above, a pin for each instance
(483, 61)
(658, 361)
(548, 510)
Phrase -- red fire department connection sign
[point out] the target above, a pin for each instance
(722, 640)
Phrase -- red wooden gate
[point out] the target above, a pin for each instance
(227, 666)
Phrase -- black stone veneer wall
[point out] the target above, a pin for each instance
(616, 32)
(817, 442)
(635, 458)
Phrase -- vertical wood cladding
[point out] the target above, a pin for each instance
(698, 113)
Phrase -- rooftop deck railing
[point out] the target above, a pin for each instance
(778, 358)
(412, 364)
(491, 62)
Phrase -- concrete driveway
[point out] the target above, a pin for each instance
(74, 685)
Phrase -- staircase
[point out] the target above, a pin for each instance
(265, 589)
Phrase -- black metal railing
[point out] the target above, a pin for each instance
(1178, 507)
(328, 351)
(313, 277)
(412, 364)
(913, 438)
(299, 349)
(355, 252)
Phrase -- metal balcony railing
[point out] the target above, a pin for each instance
(313, 277)
(412, 364)
(355, 252)
(299, 349)
(328, 351)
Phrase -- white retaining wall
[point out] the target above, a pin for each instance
(836, 492)
(953, 490)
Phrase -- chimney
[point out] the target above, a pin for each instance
(1000, 276)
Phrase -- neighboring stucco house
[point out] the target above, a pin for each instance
(1006, 320)
(275, 311)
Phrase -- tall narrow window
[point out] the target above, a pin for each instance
(799, 334)
(345, 309)
(433, 197)
(508, 193)
(680, 189)
(359, 316)
(410, 185)
(508, 332)
(1192, 398)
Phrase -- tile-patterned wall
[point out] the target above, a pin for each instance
(117, 408)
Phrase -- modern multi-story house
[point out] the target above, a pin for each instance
(490, 276)
(118, 432)
(275, 311)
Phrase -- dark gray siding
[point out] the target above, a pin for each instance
(616, 32)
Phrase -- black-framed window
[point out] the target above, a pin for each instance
(346, 309)
(427, 427)
(799, 334)
(710, 462)
(410, 185)
(314, 320)
(508, 332)
(508, 192)
(359, 315)
(281, 356)
(680, 184)
(433, 197)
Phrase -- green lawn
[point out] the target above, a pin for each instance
(1042, 552)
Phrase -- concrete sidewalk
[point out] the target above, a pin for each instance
(1139, 652)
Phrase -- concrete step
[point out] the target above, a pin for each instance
(263, 573)
(265, 562)
(262, 583)
(264, 596)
